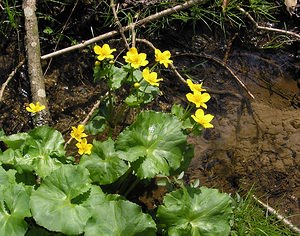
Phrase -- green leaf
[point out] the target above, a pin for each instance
(14, 141)
(101, 72)
(118, 75)
(8, 156)
(7, 176)
(51, 140)
(132, 100)
(41, 151)
(48, 30)
(14, 207)
(96, 125)
(121, 218)
(104, 164)
(53, 205)
(154, 142)
(192, 211)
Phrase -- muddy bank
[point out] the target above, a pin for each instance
(254, 143)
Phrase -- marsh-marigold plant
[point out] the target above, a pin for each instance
(199, 99)
(136, 59)
(203, 119)
(34, 108)
(151, 77)
(78, 132)
(104, 52)
(163, 57)
(195, 87)
(84, 147)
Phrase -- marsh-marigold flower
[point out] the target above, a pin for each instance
(195, 87)
(199, 99)
(104, 52)
(163, 57)
(151, 77)
(34, 108)
(84, 147)
(78, 133)
(136, 59)
(202, 119)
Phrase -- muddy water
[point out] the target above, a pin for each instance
(257, 142)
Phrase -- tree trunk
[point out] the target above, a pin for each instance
(37, 83)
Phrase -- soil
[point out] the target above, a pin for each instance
(255, 142)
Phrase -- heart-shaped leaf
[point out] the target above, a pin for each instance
(104, 164)
(119, 218)
(14, 207)
(154, 142)
(195, 211)
(58, 204)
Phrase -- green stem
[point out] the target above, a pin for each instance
(187, 112)
(132, 186)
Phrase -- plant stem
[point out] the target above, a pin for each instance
(131, 187)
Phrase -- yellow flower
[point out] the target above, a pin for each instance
(195, 87)
(202, 119)
(198, 98)
(163, 57)
(135, 59)
(78, 133)
(84, 147)
(151, 77)
(104, 52)
(35, 108)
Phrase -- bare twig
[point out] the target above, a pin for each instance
(229, 46)
(86, 119)
(37, 84)
(268, 28)
(147, 42)
(278, 216)
(61, 32)
(220, 62)
(11, 75)
(113, 33)
(120, 28)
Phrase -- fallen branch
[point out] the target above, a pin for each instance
(220, 62)
(268, 28)
(61, 33)
(37, 84)
(86, 119)
(120, 28)
(113, 33)
(11, 75)
(182, 79)
(278, 216)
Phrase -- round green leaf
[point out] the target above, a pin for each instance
(154, 142)
(121, 218)
(195, 211)
(104, 164)
(58, 203)
(14, 207)
(41, 151)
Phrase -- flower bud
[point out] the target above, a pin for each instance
(137, 85)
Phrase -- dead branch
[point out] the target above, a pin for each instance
(11, 75)
(113, 33)
(278, 216)
(37, 84)
(295, 35)
(61, 32)
(120, 28)
(86, 119)
(182, 79)
(220, 62)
